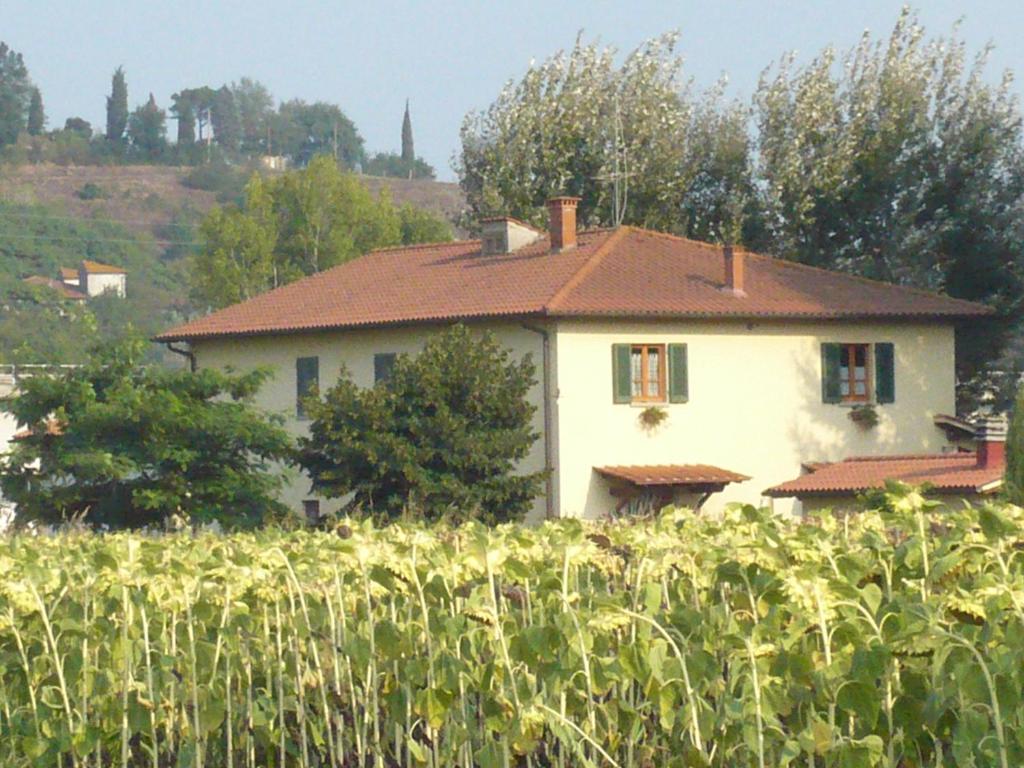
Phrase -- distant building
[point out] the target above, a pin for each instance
(64, 289)
(95, 279)
(69, 276)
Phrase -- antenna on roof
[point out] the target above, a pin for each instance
(620, 173)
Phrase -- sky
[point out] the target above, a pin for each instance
(446, 57)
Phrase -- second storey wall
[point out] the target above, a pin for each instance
(755, 403)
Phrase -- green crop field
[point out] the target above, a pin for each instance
(889, 638)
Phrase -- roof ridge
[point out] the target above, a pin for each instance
(957, 455)
(412, 247)
(588, 266)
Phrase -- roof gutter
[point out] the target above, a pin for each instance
(549, 449)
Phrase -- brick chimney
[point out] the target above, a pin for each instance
(991, 442)
(735, 270)
(562, 222)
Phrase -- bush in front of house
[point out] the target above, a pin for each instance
(440, 438)
(117, 444)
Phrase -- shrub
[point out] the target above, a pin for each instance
(91, 191)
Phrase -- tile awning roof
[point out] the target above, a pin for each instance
(623, 272)
(671, 474)
(952, 472)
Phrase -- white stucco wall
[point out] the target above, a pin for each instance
(98, 284)
(754, 405)
(354, 350)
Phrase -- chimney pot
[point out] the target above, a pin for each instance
(562, 222)
(991, 442)
(735, 270)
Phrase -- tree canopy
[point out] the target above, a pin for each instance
(294, 225)
(122, 445)
(15, 95)
(147, 129)
(117, 106)
(440, 437)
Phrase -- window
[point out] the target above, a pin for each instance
(382, 365)
(649, 373)
(311, 508)
(858, 373)
(307, 379)
(853, 373)
(647, 369)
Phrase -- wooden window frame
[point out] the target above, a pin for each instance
(644, 397)
(850, 349)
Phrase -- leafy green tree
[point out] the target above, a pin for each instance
(78, 126)
(255, 113)
(441, 438)
(36, 114)
(237, 259)
(303, 131)
(123, 445)
(117, 106)
(184, 112)
(633, 141)
(225, 119)
(408, 151)
(391, 164)
(1013, 479)
(420, 226)
(147, 129)
(903, 164)
(15, 95)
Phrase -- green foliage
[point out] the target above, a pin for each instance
(302, 131)
(121, 445)
(91, 191)
(227, 181)
(78, 126)
(408, 149)
(255, 113)
(296, 224)
(440, 438)
(36, 114)
(147, 130)
(577, 120)
(682, 641)
(117, 106)
(392, 165)
(15, 95)
(1014, 475)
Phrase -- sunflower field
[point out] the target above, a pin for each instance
(893, 637)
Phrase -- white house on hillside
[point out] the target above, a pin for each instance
(756, 363)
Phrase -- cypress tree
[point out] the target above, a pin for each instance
(408, 153)
(36, 115)
(1014, 477)
(117, 106)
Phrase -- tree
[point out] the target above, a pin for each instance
(123, 445)
(440, 438)
(302, 131)
(117, 106)
(15, 94)
(78, 126)
(420, 226)
(36, 115)
(578, 124)
(237, 259)
(904, 164)
(184, 112)
(147, 129)
(408, 152)
(225, 119)
(391, 164)
(1013, 478)
(255, 111)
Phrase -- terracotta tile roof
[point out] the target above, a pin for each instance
(68, 273)
(622, 272)
(672, 474)
(53, 429)
(95, 268)
(64, 290)
(951, 472)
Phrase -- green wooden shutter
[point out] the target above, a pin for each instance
(885, 373)
(622, 377)
(830, 391)
(307, 377)
(678, 374)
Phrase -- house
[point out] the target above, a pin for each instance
(952, 477)
(667, 368)
(95, 279)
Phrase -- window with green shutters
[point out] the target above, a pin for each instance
(307, 377)
(858, 373)
(649, 373)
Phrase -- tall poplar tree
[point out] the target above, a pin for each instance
(117, 106)
(36, 115)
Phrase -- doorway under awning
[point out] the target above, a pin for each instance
(661, 485)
